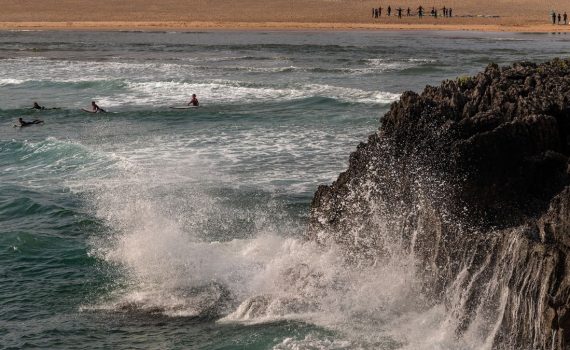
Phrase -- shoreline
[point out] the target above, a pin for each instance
(277, 26)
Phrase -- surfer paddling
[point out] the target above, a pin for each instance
(25, 123)
(37, 106)
(194, 101)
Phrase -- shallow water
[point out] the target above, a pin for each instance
(150, 227)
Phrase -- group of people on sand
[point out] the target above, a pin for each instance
(94, 109)
(560, 17)
(420, 12)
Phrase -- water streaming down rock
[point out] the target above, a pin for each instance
(471, 179)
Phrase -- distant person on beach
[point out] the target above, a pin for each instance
(380, 11)
(96, 109)
(553, 17)
(25, 123)
(565, 16)
(194, 101)
(389, 11)
(420, 11)
(559, 18)
(408, 12)
(444, 11)
(399, 9)
(449, 12)
(37, 106)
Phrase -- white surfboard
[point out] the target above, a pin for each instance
(183, 107)
(89, 111)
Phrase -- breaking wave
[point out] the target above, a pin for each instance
(184, 252)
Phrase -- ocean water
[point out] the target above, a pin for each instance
(154, 228)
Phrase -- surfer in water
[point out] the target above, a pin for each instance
(96, 109)
(194, 102)
(37, 106)
(25, 123)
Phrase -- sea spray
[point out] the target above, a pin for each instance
(170, 270)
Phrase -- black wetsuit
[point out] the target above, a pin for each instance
(36, 121)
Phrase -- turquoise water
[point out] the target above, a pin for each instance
(154, 228)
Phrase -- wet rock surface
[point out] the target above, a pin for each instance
(471, 179)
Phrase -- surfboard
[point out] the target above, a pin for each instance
(183, 107)
(89, 111)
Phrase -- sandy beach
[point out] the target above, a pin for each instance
(484, 15)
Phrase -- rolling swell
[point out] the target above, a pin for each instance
(41, 161)
(43, 238)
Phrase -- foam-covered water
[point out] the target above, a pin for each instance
(158, 228)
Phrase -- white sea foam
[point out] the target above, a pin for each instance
(231, 92)
(127, 83)
(11, 81)
(163, 225)
(117, 83)
(84, 71)
(381, 64)
(352, 94)
(315, 342)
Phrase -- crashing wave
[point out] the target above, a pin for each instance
(471, 179)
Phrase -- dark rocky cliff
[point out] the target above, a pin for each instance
(470, 178)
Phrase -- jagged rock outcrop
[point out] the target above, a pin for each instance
(472, 179)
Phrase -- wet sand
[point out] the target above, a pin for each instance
(483, 15)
